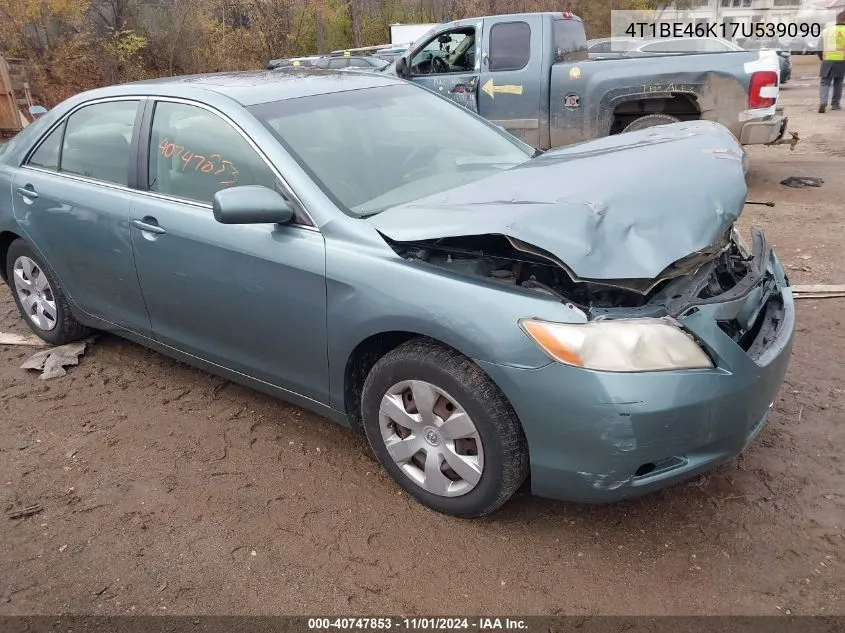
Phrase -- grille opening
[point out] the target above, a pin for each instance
(645, 469)
(660, 467)
(746, 338)
(751, 335)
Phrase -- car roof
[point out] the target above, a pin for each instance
(618, 38)
(251, 87)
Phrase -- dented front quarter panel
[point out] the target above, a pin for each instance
(621, 207)
(372, 290)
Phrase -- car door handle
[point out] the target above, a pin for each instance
(27, 193)
(149, 228)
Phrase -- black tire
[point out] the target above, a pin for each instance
(650, 120)
(67, 329)
(505, 466)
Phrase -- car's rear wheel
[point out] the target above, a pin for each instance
(39, 297)
(443, 430)
(650, 120)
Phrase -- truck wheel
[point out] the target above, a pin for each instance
(443, 430)
(650, 120)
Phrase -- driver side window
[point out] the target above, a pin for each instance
(447, 52)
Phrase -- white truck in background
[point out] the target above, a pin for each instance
(408, 33)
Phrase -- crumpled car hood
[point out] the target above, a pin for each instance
(622, 207)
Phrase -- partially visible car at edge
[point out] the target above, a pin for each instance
(779, 46)
(610, 47)
(293, 62)
(618, 47)
(365, 249)
(337, 62)
(799, 45)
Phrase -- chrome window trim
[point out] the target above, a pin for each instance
(110, 185)
(63, 120)
(288, 189)
(85, 179)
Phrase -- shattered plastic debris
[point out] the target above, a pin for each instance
(10, 338)
(51, 361)
(800, 182)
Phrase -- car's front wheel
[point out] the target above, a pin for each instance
(39, 296)
(443, 430)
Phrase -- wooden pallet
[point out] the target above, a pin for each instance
(819, 291)
(15, 97)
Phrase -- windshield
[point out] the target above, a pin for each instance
(376, 148)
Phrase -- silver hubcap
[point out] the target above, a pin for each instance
(35, 293)
(431, 438)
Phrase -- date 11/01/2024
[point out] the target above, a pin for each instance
(417, 624)
(725, 30)
(213, 165)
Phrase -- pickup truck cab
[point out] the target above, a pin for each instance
(531, 74)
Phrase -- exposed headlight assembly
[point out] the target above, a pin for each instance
(736, 237)
(622, 345)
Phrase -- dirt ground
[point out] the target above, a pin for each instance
(166, 490)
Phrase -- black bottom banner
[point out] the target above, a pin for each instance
(532, 624)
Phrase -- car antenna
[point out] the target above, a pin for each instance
(765, 204)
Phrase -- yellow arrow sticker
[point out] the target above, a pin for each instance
(492, 89)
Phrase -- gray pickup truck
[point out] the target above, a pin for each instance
(530, 73)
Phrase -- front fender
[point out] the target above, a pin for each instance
(375, 291)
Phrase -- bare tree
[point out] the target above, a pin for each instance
(353, 7)
(114, 14)
(318, 26)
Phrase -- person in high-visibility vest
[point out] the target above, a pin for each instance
(832, 54)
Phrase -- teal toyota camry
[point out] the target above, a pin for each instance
(585, 321)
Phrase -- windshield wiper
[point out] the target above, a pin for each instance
(371, 213)
(506, 162)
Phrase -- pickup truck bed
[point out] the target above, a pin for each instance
(613, 93)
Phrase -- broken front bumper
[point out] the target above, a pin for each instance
(601, 436)
(765, 131)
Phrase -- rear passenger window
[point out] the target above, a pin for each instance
(47, 154)
(194, 154)
(338, 62)
(97, 141)
(510, 46)
(571, 42)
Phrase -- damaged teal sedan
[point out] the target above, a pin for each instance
(585, 319)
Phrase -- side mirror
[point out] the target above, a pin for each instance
(250, 204)
(402, 66)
